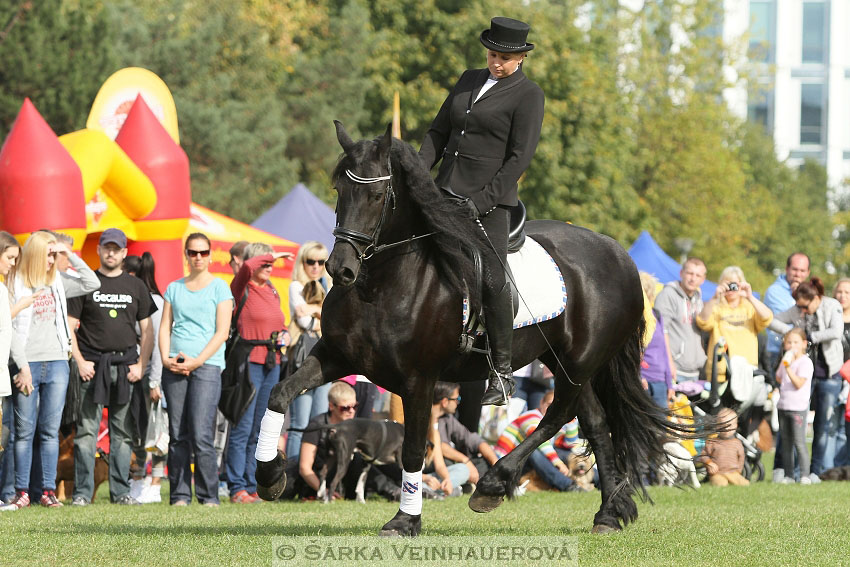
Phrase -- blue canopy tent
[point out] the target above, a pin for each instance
(649, 257)
(299, 216)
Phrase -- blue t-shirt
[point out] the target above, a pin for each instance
(194, 317)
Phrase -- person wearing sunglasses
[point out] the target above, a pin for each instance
(314, 451)
(195, 324)
(309, 267)
(110, 363)
(261, 318)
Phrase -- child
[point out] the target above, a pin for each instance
(795, 384)
(724, 456)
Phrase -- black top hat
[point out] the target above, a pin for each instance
(506, 36)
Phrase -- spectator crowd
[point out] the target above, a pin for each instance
(96, 352)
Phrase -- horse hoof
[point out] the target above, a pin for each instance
(402, 525)
(271, 477)
(482, 503)
(603, 529)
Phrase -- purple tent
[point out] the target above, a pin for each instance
(299, 216)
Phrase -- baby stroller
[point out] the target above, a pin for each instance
(745, 391)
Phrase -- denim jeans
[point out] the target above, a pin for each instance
(40, 412)
(658, 392)
(192, 402)
(302, 409)
(241, 462)
(7, 459)
(825, 397)
(793, 424)
(548, 472)
(85, 442)
(458, 474)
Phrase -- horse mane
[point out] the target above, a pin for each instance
(454, 236)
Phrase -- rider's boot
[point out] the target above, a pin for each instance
(499, 322)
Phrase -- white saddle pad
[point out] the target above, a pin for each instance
(542, 293)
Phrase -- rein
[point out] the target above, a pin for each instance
(357, 238)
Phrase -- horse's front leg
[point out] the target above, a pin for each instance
(501, 480)
(417, 416)
(318, 368)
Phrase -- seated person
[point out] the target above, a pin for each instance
(549, 461)
(445, 479)
(302, 479)
(724, 456)
(458, 444)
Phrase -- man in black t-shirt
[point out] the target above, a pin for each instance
(105, 348)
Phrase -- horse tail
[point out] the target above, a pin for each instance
(639, 428)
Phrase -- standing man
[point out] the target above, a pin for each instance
(679, 303)
(104, 347)
(778, 299)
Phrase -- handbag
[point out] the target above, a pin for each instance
(237, 390)
(156, 438)
(298, 353)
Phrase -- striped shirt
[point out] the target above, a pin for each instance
(525, 424)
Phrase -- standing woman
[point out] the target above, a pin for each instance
(309, 267)
(9, 251)
(195, 323)
(823, 319)
(841, 292)
(486, 133)
(261, 318)
(41, 325)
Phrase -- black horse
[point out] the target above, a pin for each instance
(394, 315)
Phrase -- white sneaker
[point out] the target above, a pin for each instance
(137, 486)
(778, 475)
(805, 480)
(151, 495)
(814, 479)
(786, 480)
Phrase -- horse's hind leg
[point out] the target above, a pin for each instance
(501, 480)
(417, 416)
(617, 502)
(319, 368)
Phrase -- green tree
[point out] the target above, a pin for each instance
(57, 53)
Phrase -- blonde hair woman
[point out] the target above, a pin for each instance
(309, 266)
(735, 314)
(41, 325)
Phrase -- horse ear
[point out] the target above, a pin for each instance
(344, 139)
(386, 142)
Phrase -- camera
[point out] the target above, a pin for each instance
(733, 286)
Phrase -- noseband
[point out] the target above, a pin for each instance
(356, 238)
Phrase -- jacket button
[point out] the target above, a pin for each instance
(468, 111)
(462, 132)
(455, 154)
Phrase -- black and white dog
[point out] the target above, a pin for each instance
(377, 441)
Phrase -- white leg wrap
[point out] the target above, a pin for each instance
(269, 435)
(411, 492)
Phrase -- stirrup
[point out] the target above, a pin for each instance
(497, 394)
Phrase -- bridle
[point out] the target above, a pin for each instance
(358, 239)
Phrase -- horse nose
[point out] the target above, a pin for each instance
(346, 276)
(339, 271)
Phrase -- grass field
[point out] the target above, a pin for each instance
(764, 524)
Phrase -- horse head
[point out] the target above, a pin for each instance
(363, 180)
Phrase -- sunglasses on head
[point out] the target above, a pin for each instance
(196, 253)
(311, 262)
(347, 408)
